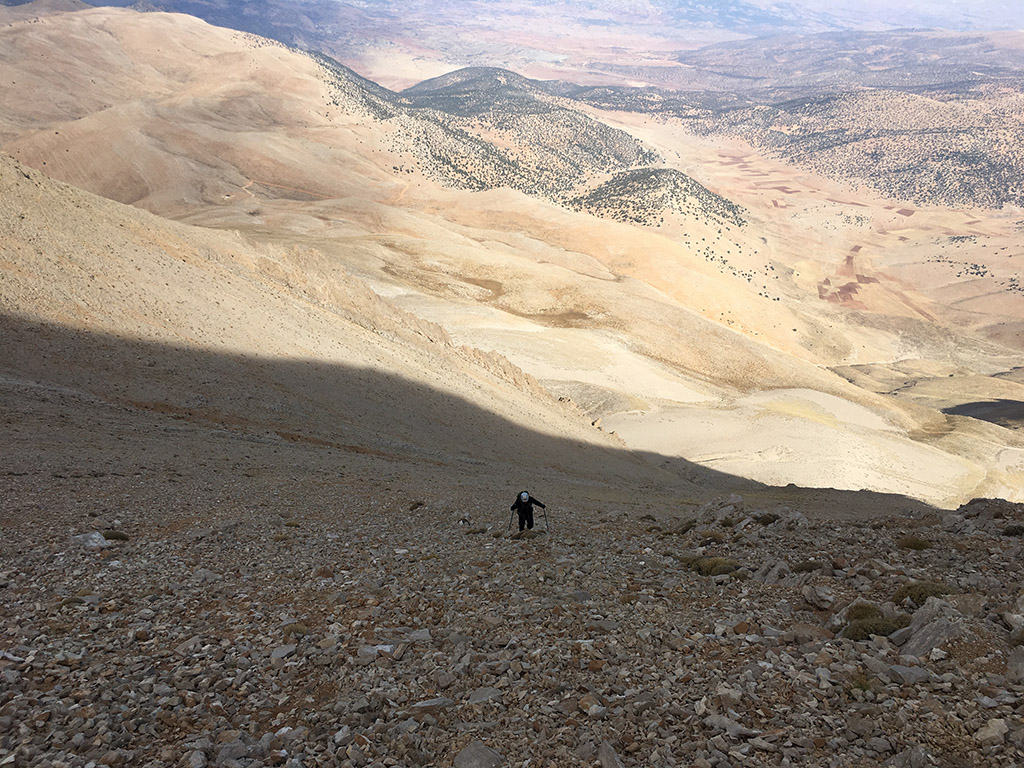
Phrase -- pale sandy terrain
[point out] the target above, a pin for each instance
(691, 342)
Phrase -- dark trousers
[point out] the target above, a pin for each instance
(525, 519)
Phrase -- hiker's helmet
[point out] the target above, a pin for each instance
(524, 496)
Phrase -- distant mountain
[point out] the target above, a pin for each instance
(403, 42)
(921, 116)
(485, 128)
(551, 146)
(315, 21)
(643, 195)
(772, 68)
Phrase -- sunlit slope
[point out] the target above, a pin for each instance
(167, 113)
(210, 125)
(704, 334)
(144, 314)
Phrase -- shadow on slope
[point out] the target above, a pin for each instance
(92, 404)
(1005, 413)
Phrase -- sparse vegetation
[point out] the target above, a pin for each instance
(714, 566)
(920, 591)
(684, 527)
(915, 543)
(707, 536)
(863, 629)
(863, 612)
(860, 680)
(644, 195)
(1014, 530)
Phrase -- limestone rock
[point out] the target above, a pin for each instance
(801, 633)
(479, 755)
(909, 675)
(733, 729)
(994, 732)
(432, 706)
(915, 757)
(484, 695)
(91, 542)
(933, 625)
(1015, 666)
(607, 756)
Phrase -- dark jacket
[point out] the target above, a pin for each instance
(525, 506)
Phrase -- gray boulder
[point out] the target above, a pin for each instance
(91, 542)
(478, 755)
(607, 756)
(933, 625)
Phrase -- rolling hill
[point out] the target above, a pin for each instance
(716, 289)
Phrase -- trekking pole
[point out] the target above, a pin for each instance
(509, 526)
(547, 525)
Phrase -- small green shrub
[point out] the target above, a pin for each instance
(115, 535)
(292, 524)
(1014, 530)
(714, 566)
(807, 566)
(863, 612)
(915, 543)
(707, 536)
(863, 629)
(861, 681)
(920, 591)
(768, 518)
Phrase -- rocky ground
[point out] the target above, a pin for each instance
(387, 629)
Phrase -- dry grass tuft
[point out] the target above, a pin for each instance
(863, 612)
(915, 543)
(714, 566)
(708, 536)
(863, 629)
(920, 591)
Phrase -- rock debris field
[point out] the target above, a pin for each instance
(410, 635)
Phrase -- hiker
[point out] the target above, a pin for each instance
(524, 506)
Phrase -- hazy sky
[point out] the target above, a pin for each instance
(957, 14)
